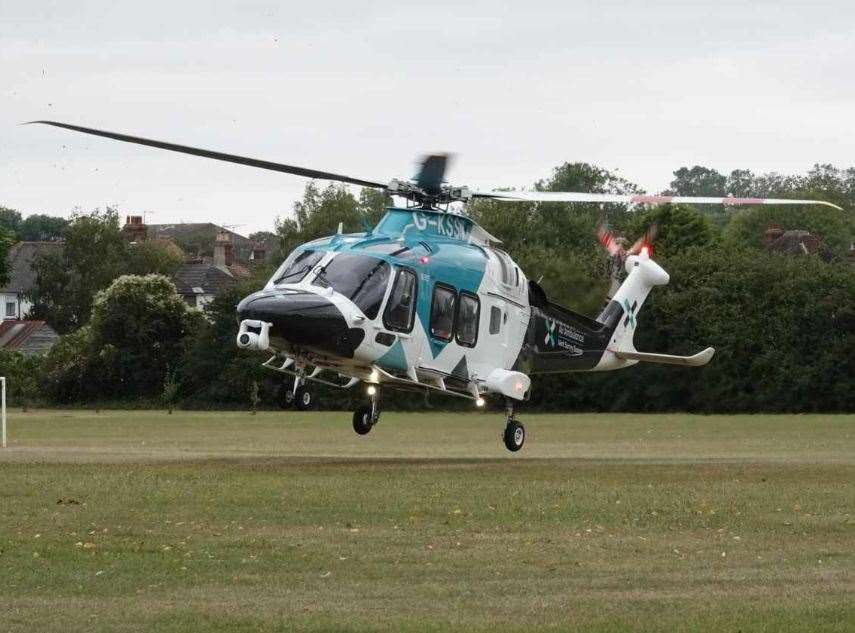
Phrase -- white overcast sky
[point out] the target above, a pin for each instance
(364, 88)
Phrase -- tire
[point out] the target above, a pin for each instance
(362, 422)
(514, 436)
(286, 397)
(303, 399)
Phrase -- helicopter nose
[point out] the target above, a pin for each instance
(303, 319)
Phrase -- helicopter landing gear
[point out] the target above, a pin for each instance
(298, 395)
(514, 435)
(286, 397)
(367, 415)
(303, 398)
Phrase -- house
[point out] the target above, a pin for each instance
(22, 277)
(27, 337)
(218, 257)
(200, 279)
(795, 242)
(197, 238)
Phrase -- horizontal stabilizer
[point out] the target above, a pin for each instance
(698, 360)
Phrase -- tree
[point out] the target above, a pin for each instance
(6, 241)
(169, 395)
(836, 228)
(213, 369)
(70, 373)
(680, 227)
(22, 374)
(161, 257)
(698, 181)
(10, 220)
(42, 228)
(320, 211)
(94, 254)
(138, 329)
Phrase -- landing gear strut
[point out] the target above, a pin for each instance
(367, 415)
(298, 394)
(514, 435)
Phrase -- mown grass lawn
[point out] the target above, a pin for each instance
(125, 521)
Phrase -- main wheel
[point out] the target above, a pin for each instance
(303, 398)
(514, 436)
(362, 420)
(286, 397)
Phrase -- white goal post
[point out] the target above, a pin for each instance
(3, 405)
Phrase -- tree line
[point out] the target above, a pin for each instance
(783, 325)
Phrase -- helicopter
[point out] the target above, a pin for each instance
(428, 301)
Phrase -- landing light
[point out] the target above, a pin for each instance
(372, 390)
(479, 402)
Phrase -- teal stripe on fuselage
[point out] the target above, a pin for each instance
(395, 358)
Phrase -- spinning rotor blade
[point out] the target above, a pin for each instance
(607, 239)
(615, 245)
(229, 158)
(568, 196)
(430, 176)
(646, 240)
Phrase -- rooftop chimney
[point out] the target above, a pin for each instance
(135, 229)
(258, 254)
(223, 257)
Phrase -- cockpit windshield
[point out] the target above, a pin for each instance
(360, 278)
(296, 266)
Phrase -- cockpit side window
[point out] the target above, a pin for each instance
(360, 278)
(401, 307)
(296, 266)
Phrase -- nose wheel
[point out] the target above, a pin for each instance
(367, 415)
(514, 435)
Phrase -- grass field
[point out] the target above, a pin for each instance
(126, 521)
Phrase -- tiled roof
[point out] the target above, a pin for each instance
(195, 276)
(22, 277)
(27, 336)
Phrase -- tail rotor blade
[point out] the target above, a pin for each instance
(647, 240)
(607, 239)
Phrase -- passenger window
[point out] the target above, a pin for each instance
(442, 312)
(468, 312)
(495, 320)
(401, 308)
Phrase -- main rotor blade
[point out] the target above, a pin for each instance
(229, 158)
(568, 196)
(430, 176)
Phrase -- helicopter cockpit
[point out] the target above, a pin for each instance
(360, 278)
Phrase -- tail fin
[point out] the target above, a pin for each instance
(643, 275)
